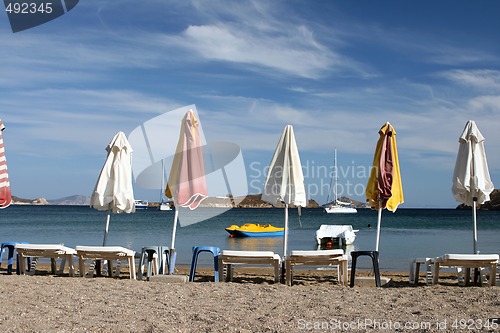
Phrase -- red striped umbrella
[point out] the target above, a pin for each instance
(5, 195)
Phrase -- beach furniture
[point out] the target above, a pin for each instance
(108, 253)
(415, 270)
(155, 258)
(467, 261)
(228, 258)
(374, 256)
(317, 258)
(52, 251)
(11, 252)
(196, 251)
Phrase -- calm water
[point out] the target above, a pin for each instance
(406, 234)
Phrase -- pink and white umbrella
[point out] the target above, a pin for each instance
(187, 182)
(5, 195)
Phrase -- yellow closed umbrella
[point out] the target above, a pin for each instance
(384, 188)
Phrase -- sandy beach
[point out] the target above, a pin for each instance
(251, 303)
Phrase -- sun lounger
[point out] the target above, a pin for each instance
(467, 261)
(52, 251)
(108, 253)
(228, 258)
(415, 270)
(317, 258)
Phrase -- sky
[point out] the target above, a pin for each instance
(334, 70)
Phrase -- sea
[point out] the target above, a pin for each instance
(405, 234)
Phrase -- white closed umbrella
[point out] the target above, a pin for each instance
(472, 184)
(285, 180)
(113, 191)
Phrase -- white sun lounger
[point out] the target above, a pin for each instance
(227, 258)
(105, 253)
(467, 261)
(317, 258)
(52, 251)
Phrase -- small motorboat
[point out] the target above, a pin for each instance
(254, 230)
(339, 234)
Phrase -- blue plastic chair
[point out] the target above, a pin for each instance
(10, 246)
(196, 251)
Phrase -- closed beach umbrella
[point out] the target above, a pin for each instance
(384, 188)
(285, 180)
(113, 191)
(186, 182)
(471, 179)
(5, 195)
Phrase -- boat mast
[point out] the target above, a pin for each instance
(336, 175)
(162, 189)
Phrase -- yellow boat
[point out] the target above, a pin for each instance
(254, 230)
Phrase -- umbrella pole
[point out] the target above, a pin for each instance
(474, 225)
(106, 227)
(285, 241)
(285, 246)
(379, 220)
(173, 254)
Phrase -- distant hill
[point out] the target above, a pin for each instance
(493, 204)
(71, 200)
(249, 201)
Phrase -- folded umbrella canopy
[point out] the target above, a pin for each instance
(186, 182)
(5, 195)
(384, 188)
(113, 191)
(285, 180)
(471, 179)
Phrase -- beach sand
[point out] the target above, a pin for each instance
(251, 303)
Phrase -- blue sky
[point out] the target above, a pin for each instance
(335, 70)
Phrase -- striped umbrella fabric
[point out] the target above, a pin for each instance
(5, 195)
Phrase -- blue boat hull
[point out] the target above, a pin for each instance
(239, 233)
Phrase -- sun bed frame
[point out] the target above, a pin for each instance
(317, 258)
(467, 261)
(228, 258)
(52, 251)
(108, 253)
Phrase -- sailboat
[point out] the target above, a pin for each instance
(163, 204)
(337, 206)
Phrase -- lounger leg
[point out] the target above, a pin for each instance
(71, 265)
(81, 265)
(22, 264)
(428, 272)
(436, 273)
(131, 267)
(344, 271)
(412, 272)
(288, 272)
(110, 268)
(53, 265)
(61, 266)
(277, 271)
(467, 276)
(493, 274)
(222, 278)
